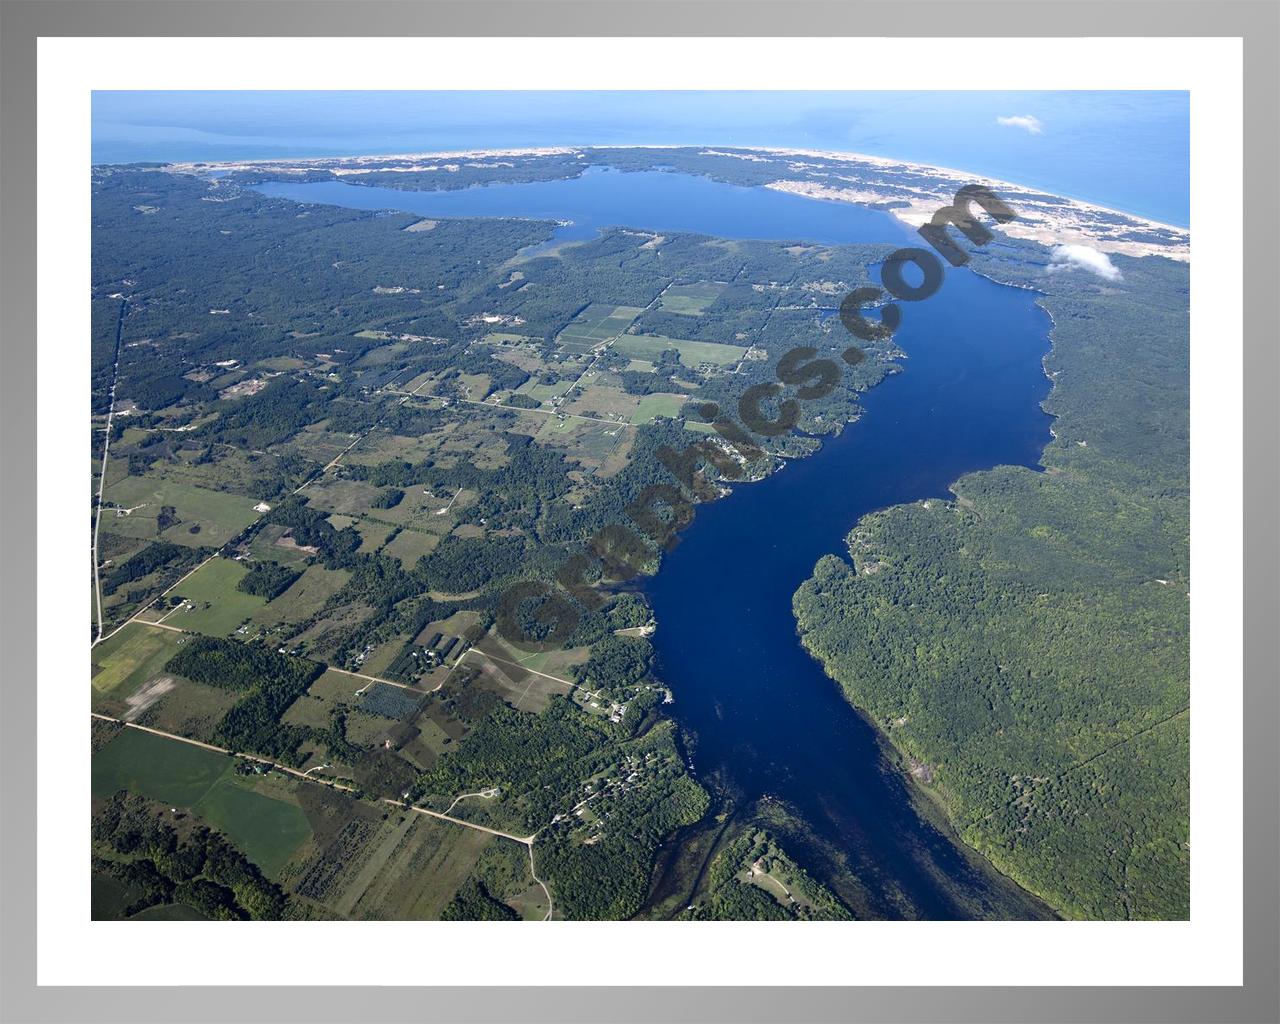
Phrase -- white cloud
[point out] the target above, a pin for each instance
(1028, 121)
(1087, 258)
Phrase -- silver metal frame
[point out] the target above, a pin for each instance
(23, 21)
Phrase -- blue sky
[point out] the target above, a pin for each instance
(1129, 150)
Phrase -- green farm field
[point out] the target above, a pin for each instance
(269, 544)
(162, 769)
(595, 324)
(410, 545)
(132, 656)
(691, 299)
(603, 402)
(188, 709)
(269, 830)
(214, 584)
(219, 515)
(543, 392)
(503, 338)
(692, 353)
(303, 598)
(652, 406)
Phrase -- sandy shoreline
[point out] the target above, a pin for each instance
(968, 176)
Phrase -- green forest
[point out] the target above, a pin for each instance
(1025, 645)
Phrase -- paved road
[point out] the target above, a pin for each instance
(102, 476)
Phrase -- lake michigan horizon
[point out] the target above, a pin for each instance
(1125, 151)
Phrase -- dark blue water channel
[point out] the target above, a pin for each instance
(765, 716)
(968, 398)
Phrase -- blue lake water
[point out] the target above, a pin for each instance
(968, 399)
(603, 197)
(764, 714)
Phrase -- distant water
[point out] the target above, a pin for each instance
(1125, 150)
(603, 197)
(763, 711)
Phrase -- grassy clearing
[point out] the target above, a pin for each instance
(692, 353)
(219, 516)
(381, 446)
(280, 364)
(383, 354)
(502, 338)
(308, 711)
(304, 597)
(556, 663)
(267, 829)
(588, 442)
(652, 406)
(377, 660)
(531, 904)
(373, 533)
(267, 545)
(327, 692)
(604, 402)
(475, 386)
(455, 625)
(555, 430)
(315, 443)
(218, 608)
(530, 692)
(344, 497)
(410, 545)
(336, 687)
(431, 742)
(133, 656)
(543, 392)
(161, 769)
(691, 299)
(189, 709)
(366, 730)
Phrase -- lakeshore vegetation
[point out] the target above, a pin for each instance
(1024, 645)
